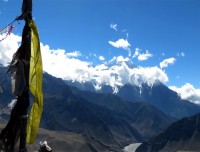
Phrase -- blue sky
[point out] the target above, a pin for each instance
(150, 33)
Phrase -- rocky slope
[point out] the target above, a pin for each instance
(181, 135)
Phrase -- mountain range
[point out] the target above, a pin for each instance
(158, 95)
(106, 121)
(102, 120)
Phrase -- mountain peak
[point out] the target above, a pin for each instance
(120, 61)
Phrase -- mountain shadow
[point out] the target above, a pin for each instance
(181, 135)
(145, 117)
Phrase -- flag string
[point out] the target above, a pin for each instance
(6, 29)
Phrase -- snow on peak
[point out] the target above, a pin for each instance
(118, 72)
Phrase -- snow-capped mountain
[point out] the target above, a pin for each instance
(136, 84)
(116, 73)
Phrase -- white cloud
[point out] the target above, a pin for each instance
(182, 54)
(121, 43)
(127, 35)
(8, 47)
(121, 59)
(137, 52)
(188, 92)
(73, 54)
(142, 56)
(163, 54)
(113, 26)
(101, 58)
(57, 63)
(60, 64)
(166, 62)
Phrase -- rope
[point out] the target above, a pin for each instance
(4, 28)
(10, 29)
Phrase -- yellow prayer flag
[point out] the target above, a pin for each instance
(35, 84)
